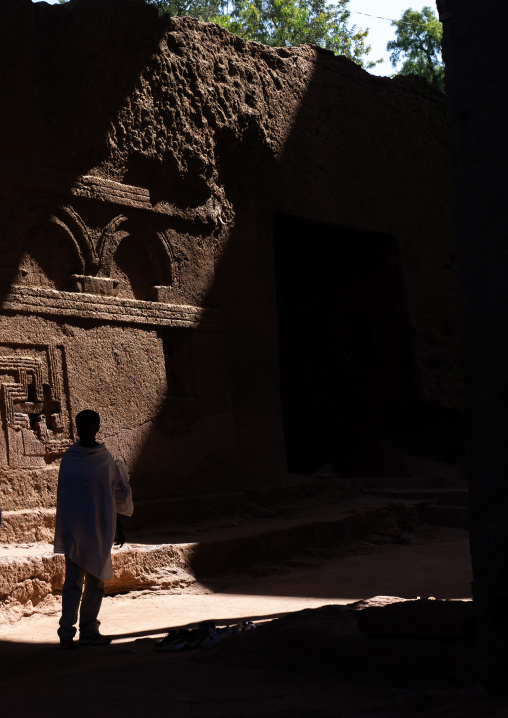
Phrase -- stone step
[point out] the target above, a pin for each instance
(28, 526)
(443, 507)
(32, 525)
(451, 516)
(36, 524)
(29, 574)
(443, 497)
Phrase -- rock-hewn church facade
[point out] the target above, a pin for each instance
(243, 257)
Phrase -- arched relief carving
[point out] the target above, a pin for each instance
(136, 256)
(46, 244)
(47, 210)
(110, 239)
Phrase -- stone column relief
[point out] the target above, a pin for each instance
(34, 404)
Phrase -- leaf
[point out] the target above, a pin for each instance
(418, 45)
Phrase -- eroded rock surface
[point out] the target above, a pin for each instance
(241, 256)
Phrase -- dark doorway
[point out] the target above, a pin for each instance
(344, 345)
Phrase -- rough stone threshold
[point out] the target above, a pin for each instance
(31, 574)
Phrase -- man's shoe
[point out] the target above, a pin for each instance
(94, 640)
(68, 643)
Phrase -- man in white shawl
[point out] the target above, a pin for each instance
(92, 489)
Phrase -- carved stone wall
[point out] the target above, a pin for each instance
(48, 244)
(97, 311)
(140, 186)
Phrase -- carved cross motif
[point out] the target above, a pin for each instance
(34, 406)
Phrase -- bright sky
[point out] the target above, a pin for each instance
(380, 31)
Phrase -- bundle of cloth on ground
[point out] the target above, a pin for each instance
(204, 635)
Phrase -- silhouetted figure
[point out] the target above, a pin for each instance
(92, 489)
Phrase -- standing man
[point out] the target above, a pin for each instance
(92, 489)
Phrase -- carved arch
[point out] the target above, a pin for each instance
(137, 227)
(47, 209)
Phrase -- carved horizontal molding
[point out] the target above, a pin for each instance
(116, 310)
(44, 179)
(98, 188)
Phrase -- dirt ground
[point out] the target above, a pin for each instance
(245, 678)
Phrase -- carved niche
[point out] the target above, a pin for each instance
(35, 405)
(47, 244)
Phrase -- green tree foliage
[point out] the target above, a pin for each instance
(205, 10)
(282, 23)
(418, 44)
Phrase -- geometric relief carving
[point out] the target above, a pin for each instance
(34, 404)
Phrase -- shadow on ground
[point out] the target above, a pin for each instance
(310, 663)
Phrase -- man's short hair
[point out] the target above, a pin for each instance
(87, 418)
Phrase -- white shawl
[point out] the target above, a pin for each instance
(92, 489)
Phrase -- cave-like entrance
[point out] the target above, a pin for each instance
(345, 353)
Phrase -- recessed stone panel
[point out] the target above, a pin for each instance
(34, 404)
